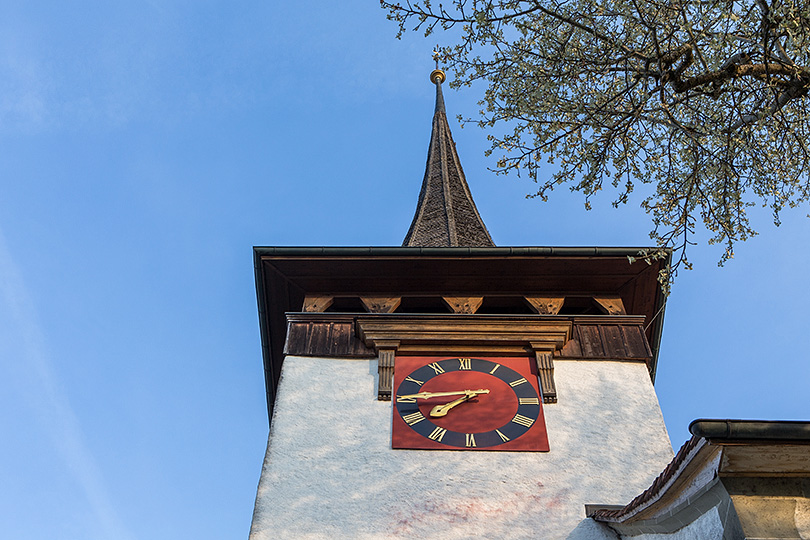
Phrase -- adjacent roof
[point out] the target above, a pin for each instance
(718, 449)
(446, 215)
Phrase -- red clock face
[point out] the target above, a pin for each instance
(467, 404)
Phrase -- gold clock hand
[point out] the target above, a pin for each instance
(428, 395)
(442, 410)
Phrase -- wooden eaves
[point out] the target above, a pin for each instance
(286, 275)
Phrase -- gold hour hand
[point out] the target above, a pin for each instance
(442, 410)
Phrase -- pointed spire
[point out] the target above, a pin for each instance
(446, 215)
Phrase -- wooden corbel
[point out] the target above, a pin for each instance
(544, 356)
(381, 304)
(317, 304)
(386, 353)
(463, 304)
(545, 305)
(612, 304)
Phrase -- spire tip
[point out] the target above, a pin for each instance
(437, 76)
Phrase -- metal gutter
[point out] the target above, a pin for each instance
(751, 430)
(449, 251)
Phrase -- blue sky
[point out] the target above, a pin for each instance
(145, 147)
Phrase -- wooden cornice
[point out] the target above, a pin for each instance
(464, 334)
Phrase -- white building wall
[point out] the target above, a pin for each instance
(709, 526)
(330, 472)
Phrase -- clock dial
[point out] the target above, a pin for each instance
(468, 404)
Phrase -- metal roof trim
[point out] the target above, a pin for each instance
(719, 430)
(562, 251)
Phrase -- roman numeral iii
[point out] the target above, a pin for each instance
(437, 434)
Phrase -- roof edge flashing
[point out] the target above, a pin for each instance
(398, 251)
(719, 430)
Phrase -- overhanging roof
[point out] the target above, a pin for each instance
(285, 275)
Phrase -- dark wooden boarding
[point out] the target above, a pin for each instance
(603, 339)
(593, 338)
(582, 284)
(333, 335)
(545, 338)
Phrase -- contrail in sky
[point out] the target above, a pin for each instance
(22, 349)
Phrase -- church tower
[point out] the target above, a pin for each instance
(449, 388)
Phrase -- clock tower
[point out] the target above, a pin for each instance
(450, 388)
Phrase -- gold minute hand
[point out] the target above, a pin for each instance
(428, 395)
(441, 410)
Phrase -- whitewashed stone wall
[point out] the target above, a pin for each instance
(709, 526)
(329, 471)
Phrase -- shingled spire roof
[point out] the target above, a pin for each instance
(446, 215)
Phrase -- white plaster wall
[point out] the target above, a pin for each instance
(709, 526)
(329, 471)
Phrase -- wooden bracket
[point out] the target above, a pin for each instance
(317, 304)
(545, 369)
(463, 304)
(545, 305)
(381, 304)
(612, 304)
(386, 354)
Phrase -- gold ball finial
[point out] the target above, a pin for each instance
(437, 76)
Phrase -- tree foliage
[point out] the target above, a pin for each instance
(704, 100)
